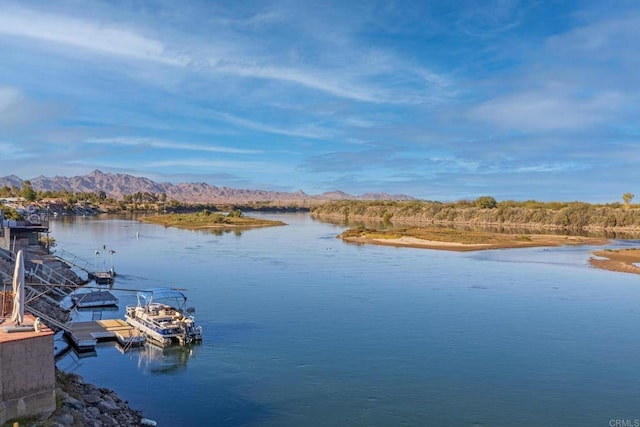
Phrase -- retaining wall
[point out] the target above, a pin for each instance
(27, 374)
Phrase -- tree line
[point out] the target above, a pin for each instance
(94, 198)
(486, 211)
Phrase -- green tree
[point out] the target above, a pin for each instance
(10, 213)
(486, 202)
(626, 198)
(28, 192)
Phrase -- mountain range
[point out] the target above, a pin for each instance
(117, 185)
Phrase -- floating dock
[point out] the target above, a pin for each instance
(85, 335)
(94, 299)
(102, 277)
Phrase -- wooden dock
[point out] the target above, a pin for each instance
(85, 335)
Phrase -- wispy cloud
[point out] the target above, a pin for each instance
(156, 143)
(349, 78)
(548, 110)
(17, 110)
(9, 96)
(551, 167)
(13, 151)
(312, 132)
(84, 34)
(492, 17)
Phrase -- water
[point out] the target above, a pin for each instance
(304, 329)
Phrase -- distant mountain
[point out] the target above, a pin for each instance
(117, 185)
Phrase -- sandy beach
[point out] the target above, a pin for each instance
(622, 260)
(505, 241)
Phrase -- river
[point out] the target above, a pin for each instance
(301, 328)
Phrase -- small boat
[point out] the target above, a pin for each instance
(160, 315)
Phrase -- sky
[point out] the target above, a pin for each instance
(440, 100)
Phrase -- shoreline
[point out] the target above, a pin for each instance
(620, 260)
(536, 240)
(78, 402)
(209, 222)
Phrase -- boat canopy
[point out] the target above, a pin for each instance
(156, 294)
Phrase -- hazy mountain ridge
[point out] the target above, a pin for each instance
(117, 185)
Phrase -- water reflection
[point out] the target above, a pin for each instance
(156, 360)
(222, 231)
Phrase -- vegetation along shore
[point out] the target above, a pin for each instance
(463, 225)
(487, 212)
(207, 219)
(457, 240)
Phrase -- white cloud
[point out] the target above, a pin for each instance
(8, 96)
(17, 110)
(307, 132)
(616, 36)
(343, 68)
(84, 34)
(12, 151)
(551, 167)
(156, 143)
(546, 110)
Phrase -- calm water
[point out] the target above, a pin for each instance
(303, 329)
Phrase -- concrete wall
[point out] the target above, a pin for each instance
(27, 377)
(17, 240)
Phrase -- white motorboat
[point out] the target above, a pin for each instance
(160, 315)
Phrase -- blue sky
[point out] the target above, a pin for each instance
(440, 100)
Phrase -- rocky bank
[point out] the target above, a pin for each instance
(77, 403)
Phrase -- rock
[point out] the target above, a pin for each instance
(92, 423)
(93, 412)
(65, 419)
(92, 398)
(107, 398)
(108, 407)
(73, 403)
(108, 421)
(75, 378)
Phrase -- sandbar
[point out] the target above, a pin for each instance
(506, 241)
(621, 260)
